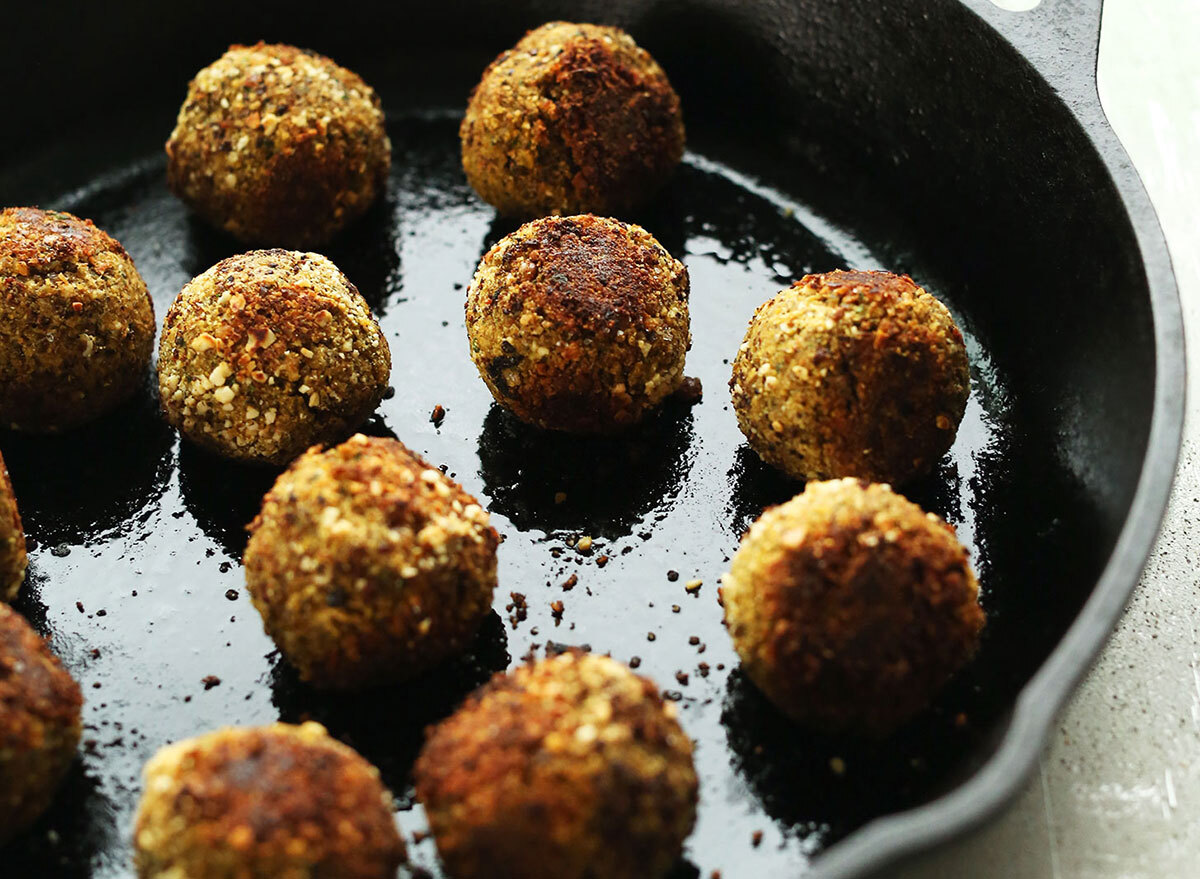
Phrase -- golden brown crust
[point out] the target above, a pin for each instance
(850, 607)
(579, 323)
(369, 565)
(270, 802)
(568, 768)
(574, 118)
(13, 560)
(269, 352)
(76, 321)
(278, 145)
(851, 374)
(40, 724)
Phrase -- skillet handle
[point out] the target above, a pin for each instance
(1060, 38)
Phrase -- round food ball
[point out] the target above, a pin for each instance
(850, 607)
(369, 565)
(40, 723)
(574, 118)
(13, 560)
(269, 352)
(271, 802)
(279, 146)
(851, 374)
(569, 768)
(76, 322)
(579, 323)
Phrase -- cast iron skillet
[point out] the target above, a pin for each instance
(947, 139)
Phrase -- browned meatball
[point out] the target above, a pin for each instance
(574, 118)
(13, 560)
(579, 323)
(278, 146)
(850, 607)
(40, 723)
(272, 802)
(76, 322)
(570, 768)
(369, 565)
(269, 352)
(851, 374)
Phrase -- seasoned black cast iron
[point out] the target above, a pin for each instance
(946, 139)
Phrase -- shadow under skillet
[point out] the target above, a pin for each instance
(224, 496)
(365, 251)
(387, 724)
(819, 783)
(79, 830)
(754, 486)
(601, 486)
(74, 486)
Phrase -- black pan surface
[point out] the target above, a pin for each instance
(136, 538)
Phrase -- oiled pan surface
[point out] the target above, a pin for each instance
(136, 539)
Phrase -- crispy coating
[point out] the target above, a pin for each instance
(76, 321)
(850, 607)
(574, 118)
(278, 146)
(40, 725)
(569, 768)
(369, 565)
(851, 374)
(579, 323)
(13, 560)
(269, 352)
(271, 802)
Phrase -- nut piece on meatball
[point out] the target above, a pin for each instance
(278, 146)
(39, 723)
(76, 322)
(264, 803)
(574, 118)
(851, 374)
(579, 323)
(568, 768)
(13, 560)
(850, 607)
(269, 352)
(369, 565)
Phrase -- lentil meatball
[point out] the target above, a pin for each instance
(851, 374)
(76, 322)
(369, 565)
(272, 802)
(573, 118)
(850, 607)
(40, 723)
(13, 560)
(279, 146)
(579, 323)
(569, 768)
(269, 352)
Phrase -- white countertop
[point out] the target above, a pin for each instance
(1117, 792)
